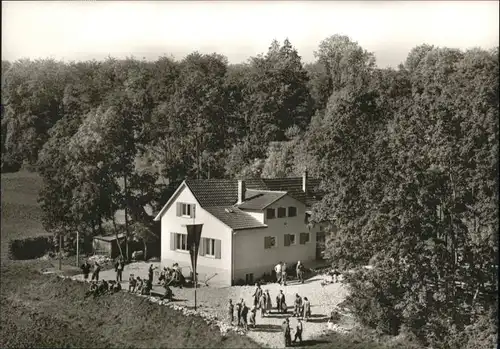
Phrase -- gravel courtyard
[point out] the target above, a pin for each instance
(268, 330)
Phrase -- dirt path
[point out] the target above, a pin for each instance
(268, 329)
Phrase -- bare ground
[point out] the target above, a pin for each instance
(268, 330)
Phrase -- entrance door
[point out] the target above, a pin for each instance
(320, 244)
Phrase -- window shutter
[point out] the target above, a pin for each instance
(201, 251)
(172, 241)
(217, 248)
(266, 242)
(192, 211)
(287, 240)
(178, 209)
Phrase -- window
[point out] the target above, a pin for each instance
(185, 210)
(292, 211)
(290, 239)
(270, 213)
(281, 212)
(209, 247)
(178, 242)
(249, 279)
(304, 238)
(269, 242)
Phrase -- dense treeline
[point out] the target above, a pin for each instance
(408, 159)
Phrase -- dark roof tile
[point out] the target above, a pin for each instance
(258, 200)
(214, 192)
(234, 217)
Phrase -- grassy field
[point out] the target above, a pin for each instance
(46, 311)
(20, 210)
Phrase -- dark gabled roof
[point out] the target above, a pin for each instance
(293, 186)
(214, 192)
(259, 200)
(235, 218)
(109, 238)
(221, 192)
(219, 197)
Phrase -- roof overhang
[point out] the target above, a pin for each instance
(166, 206)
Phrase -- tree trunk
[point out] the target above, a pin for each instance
(116, 235)
(126, 217)
(145, 250)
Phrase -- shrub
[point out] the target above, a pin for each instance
(373, 304)
(239, 282)
(30, 248)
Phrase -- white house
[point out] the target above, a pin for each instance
(248, 226)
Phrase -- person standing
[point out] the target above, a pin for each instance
(297, 306)
(298, 331)
(300, 272)
(269, 303)
(277, 269)
(253, 312)
(257, 294)
(238, 311)
(119, 266)
(286, 333)
(97, 269)
(283, 274)
(230, 310)
(151, 273)
(262, 304)
(307, 309)
(244, 314)
(280, 300)
(85, 269)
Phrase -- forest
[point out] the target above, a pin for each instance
(408, 159)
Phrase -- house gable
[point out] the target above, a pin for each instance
(172, 200)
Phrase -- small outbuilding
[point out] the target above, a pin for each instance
(108, 245)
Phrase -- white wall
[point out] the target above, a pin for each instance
(258, 215)
(212, 228)
(252, 257)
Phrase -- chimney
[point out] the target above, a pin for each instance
(304, 181)
(241, 191)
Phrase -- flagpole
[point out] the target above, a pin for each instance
(195, 276)
(195, 282)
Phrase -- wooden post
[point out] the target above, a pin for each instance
(195, 282)
(77, 248)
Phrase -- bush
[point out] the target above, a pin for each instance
(373, 300)
(30, 248)
(239, 282)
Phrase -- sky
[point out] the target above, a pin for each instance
(81, 30)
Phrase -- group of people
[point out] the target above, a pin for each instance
(262, 301)
(99, 288)
(144, 286)
(287, 332)
(86, 267)
(242, 314)
(281, 272)
(172, 276)
(139, 285)
(302, 307)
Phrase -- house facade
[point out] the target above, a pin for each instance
(248, 226)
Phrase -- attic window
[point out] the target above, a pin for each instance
(270, 213)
